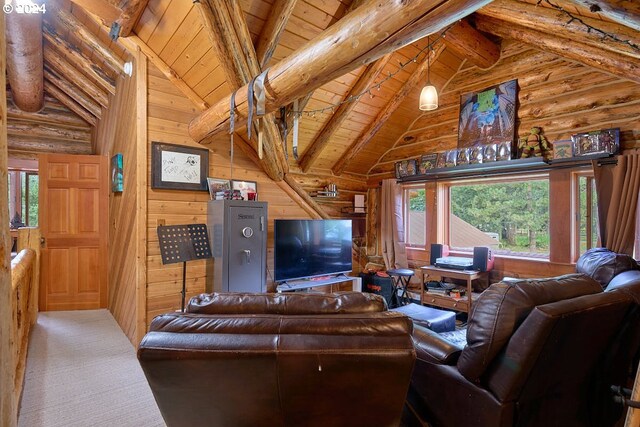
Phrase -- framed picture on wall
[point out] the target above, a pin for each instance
(218, 188)
(176, 167)
(117, 177)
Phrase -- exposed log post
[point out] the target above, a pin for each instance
(73, 92)
(364, 35)
(272, 30)
(131, 13)
(72, 24)
(73, 55)
(62, 67)
(239, 62)
(552, 21)
(70, 103)
(133, 42)
(625, 12)
(416, 77)
(472, 45)
(610, 62)
(34, 144)
(331, 127)
(8, 403)
(305, 196)
(24, 60)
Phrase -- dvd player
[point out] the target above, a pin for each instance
(455, 263)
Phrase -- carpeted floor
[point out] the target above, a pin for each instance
(82, 371)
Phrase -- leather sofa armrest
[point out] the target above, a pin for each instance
(431, 347)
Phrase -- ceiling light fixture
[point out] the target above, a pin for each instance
(429, 94)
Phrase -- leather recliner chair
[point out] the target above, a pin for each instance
(532, 349)
(280, 360)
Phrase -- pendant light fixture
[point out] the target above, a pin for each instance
(429, 94)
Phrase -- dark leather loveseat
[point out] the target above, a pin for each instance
(280, 360)
(539, 352)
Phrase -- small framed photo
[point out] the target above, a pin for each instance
(562, 149)
(406, 168)
(489, 153)
(117, 178)
(427, 162)
(218, 188)
(248, 189)
(177, 167)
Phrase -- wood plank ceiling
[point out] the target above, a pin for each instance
(82, 63)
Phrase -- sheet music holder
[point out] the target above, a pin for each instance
(182, 243)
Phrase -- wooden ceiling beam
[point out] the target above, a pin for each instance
(365, 80)
(47, 115)
(272, 30)
(410, 85)
(107, 11)
(48, 132)
(611, 62)
(131, 12)
(64, 68)
(625, 12)
(73, 25)
(362, 36)
(471, 44)
(227, 29)
(552, 21)
(74, 56)
(25, 64)
(72, 98)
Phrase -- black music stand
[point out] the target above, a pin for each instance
(182, 243)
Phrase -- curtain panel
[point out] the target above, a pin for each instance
(618, 187)
(392, 225)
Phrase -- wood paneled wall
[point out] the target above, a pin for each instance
(560, 96)
(116, 133)
(169, 114)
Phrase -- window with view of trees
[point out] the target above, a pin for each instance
(23, 196)
(511, 217)
(415, 218)
(587, 215)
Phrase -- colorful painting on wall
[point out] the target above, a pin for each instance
(117, 178)
(488, 116)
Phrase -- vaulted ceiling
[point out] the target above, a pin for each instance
(189, 42)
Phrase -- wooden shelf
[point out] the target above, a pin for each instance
(533, 164)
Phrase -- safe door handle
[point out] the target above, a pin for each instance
(247, 254)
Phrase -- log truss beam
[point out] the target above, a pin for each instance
(365, 80)
(625, 12)
(25, 66)
(472, 45)
(552, 21)
(227, 29)
(364, 35)
(611, 62)
(273, 29)
(410, 85)
(125, 13)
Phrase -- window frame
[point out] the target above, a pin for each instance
(405, 215)
(444, 210)
(575, 211)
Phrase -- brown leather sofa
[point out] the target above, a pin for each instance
(538, 354)
(280, 360)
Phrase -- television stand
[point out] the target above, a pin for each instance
(296, 285)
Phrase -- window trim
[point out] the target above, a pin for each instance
(444, 211)
(405, 214)
(575, 211)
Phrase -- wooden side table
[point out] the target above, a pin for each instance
(440, 299)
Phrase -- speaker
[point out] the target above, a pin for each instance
(482, 258)
(438, 251)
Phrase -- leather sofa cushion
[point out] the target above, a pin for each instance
(628, 282)
(603, 265)
(286, 303)
(503, 307)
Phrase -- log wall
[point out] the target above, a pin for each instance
(116, 133)
(560, 96)
(169, 114)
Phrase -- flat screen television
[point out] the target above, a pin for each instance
(309, 248)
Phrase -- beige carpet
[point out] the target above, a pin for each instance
(82, 371)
